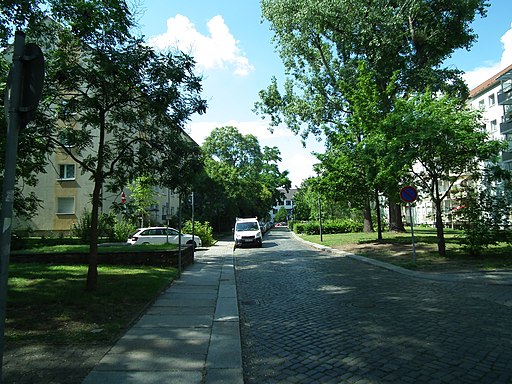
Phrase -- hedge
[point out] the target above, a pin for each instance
(328, 227)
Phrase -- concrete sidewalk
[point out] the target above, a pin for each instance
(189, 335)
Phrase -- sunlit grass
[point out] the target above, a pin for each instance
(397, 248)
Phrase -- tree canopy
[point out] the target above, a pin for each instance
(111, 103)
(322, 44)
(244, 179)
(442, 140)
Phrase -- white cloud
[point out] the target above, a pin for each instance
(217, 50)
(480, 74)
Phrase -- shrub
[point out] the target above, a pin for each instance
(82, 228)
(203, 230)
(328, 227)
(485, 211)
(122, 230)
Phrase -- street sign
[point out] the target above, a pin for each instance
(32, 80)
(408, 194)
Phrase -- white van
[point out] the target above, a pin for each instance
(247, 231)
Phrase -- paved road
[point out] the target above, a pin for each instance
(313, 317)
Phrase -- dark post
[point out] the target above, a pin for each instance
(320, 218)
(11, 151)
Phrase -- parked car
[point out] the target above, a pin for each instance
(247, 231)
(162, 235)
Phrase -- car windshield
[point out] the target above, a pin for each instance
(249, 226)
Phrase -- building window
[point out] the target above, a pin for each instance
(492, 100)
(494, 126)
(481, 104)
(65, 205)
(288, 202)
(67, 172)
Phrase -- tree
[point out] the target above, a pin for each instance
(403, 42)
(442, 139)
(485, 209)
(244, 178)
(143, 195)
(301, 206)
(281, 215)
(120, 105)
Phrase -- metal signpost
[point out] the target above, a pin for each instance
(409, 195)
(24, 88)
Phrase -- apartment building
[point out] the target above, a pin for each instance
(505, 100)
(65, 194)
(494, 98)
(497, 115)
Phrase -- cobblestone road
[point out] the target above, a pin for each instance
(313, 317)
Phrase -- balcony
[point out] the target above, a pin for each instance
(505, 97)
(506, 156)
(506, 127)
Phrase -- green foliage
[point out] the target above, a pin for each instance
(445, 137)
(203, 230)
(82, 228)
(122, 230)
(108, 228)
(281, 215)
(143, 195)
(486, 210)
(328, 91)
(242, 178)
(119, 102)
(328, 227)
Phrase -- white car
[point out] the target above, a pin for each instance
(162, 235)
(247, 231)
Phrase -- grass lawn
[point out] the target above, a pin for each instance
(49, 304)
(396, 248)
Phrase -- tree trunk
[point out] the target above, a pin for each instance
(396, 222)
(441, 244)
(368, 224)
(92, 272)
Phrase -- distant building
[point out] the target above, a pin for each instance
(287, 203)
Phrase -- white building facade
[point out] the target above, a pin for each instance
(494, 98)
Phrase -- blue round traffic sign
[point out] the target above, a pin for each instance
(408, 194)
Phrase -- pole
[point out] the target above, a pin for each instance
(320, 219)
(412, 234)
(179, 234)
(11, 151)
(193, 228)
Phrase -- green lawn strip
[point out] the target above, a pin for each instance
(48, 303)
(396, 248)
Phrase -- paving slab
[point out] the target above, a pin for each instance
(189, 335)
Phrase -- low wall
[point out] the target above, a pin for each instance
(153, 258)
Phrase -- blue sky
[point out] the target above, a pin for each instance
(235, 54)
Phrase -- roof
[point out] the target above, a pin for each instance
(489, 83)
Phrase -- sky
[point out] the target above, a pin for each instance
(235, 54)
